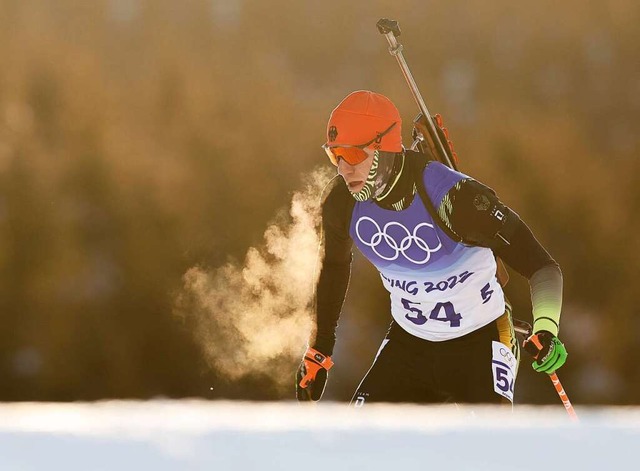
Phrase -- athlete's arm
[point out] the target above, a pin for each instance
(335, 264)
(475, 213)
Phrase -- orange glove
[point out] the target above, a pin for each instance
(311, 377)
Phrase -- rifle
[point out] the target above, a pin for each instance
(430, 135)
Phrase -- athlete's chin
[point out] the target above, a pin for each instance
(355, 186)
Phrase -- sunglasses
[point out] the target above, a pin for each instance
(353, 155)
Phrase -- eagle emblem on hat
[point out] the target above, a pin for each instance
(333, 133)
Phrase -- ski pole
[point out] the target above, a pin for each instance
(563, 397)
(525, 329)
(559, 389)
(391, 30)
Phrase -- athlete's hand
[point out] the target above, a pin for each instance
(312, 375)
(549, 353)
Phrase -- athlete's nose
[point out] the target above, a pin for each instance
(345, 168)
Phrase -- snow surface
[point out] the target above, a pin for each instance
(205, 435)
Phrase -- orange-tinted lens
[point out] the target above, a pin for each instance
(351, 155)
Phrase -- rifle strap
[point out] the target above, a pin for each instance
(502, 274)
(422, 191)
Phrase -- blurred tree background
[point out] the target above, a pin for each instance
(139, 138)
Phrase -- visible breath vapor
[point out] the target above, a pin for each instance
(256, 317)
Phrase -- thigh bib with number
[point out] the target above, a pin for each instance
(440, 289)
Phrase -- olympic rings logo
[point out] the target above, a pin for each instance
(507, 355)
(381, 237)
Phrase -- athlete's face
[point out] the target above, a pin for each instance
(355, 176)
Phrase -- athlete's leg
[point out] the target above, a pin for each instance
(399, 373)
(465, 370)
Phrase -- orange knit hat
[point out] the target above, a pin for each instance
(362, 115)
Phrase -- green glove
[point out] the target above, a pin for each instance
(549, 353)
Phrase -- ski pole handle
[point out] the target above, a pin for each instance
(391, 30)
